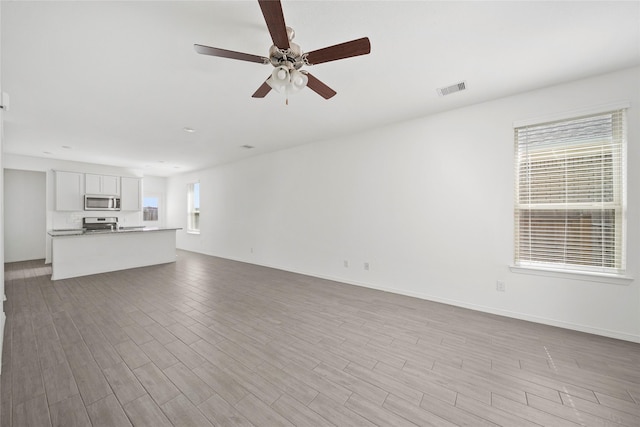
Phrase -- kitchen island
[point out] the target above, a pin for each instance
(79, 252)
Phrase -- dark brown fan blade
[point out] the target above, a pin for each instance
(214, 51)
(273, 16)
(262, 91)
(318, 87)
(339, 51)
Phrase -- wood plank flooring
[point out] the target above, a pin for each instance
(212, 342)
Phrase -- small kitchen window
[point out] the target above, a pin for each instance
(150, 209)
(193, 208)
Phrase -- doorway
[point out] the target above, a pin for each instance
(25, 211)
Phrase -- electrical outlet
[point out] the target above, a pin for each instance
(500, 286)
(346, 263)
(366, 266)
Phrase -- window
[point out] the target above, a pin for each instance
(570, 194)
(150, 208)
(193, 207)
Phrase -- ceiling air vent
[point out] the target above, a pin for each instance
(452, 89)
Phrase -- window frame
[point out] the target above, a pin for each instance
(193, 212)
(616, 274)
(159, 198)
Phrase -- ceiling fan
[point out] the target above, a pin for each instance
(287, 58)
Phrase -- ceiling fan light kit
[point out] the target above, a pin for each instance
(287, 80)
(287, 58)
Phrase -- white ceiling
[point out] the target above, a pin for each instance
(116, 82)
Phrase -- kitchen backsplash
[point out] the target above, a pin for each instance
(64, 220)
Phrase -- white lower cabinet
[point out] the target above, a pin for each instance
(84, 254)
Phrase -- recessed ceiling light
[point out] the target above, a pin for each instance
(176, 167)
(47, 152)
(188, 130)
(66, 147)
(248, 147)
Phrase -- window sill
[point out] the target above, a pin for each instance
(613, 279)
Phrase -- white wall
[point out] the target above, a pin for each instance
(3, 317)
(427, 203)
(24, 215)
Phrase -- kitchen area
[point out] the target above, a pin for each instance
(89, 218)
(103, 243)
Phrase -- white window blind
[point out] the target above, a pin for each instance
(570, 194)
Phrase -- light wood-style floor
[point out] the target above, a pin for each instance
(207, 341)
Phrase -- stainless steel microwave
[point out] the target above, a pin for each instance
(99, 202)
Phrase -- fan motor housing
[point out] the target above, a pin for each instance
(291, 58)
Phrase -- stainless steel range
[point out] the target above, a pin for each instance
(97, 224)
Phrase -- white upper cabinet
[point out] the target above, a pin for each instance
(131, 197)
(102, 184)
(69, 191)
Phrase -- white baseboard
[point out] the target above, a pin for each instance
(506, 313)
(515, 315)
(500, 312)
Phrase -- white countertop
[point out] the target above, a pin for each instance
(83, 232)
